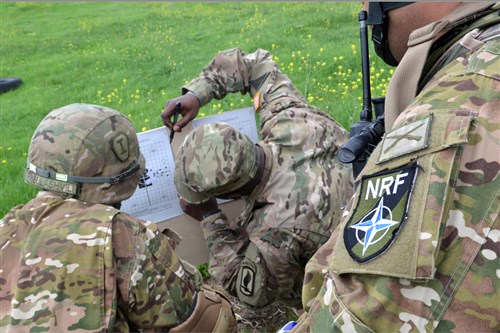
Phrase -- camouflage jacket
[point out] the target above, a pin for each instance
(418, 249)
(71, 266)
(304, 187)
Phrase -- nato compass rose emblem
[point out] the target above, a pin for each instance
(374, 226)
(380, 213)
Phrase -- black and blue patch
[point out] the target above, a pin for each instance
(380, 213)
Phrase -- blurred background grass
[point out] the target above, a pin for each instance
(134, 56)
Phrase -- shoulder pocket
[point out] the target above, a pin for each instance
(402, 196)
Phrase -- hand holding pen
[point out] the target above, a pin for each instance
(186, 105)
(177, 110)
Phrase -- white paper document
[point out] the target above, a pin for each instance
(242, 119)
(156, 198)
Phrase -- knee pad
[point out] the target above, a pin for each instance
(212, 312)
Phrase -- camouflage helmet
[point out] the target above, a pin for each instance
(214, 159)
(89, 152)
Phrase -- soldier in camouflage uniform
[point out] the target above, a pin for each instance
(71, 261)
(418, 247)
(291, 181)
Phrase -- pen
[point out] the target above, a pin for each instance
(176, 115)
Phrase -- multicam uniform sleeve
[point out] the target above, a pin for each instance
(154, 289)
(274, 95)
(232, 71)
(274, 262)
(227, 248)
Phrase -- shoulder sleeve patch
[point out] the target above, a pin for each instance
(380, 212)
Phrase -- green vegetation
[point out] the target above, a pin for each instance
(134, 56)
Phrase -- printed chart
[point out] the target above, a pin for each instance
(156, 198)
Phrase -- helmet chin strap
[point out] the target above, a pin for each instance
(381, 42)
(377, 16)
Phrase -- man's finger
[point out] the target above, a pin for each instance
(183, 122)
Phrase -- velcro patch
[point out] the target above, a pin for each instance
(380, 212)
(405, 139)
(120, 146)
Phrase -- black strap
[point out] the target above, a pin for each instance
(89, 180)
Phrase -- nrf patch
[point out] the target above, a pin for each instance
(380, 213)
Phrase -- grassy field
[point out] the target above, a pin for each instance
(135, 56)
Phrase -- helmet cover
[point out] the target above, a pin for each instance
(214, 159)
(87, 151)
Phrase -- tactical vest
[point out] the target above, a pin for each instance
(467, 28)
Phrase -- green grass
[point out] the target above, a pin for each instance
(134, 56)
